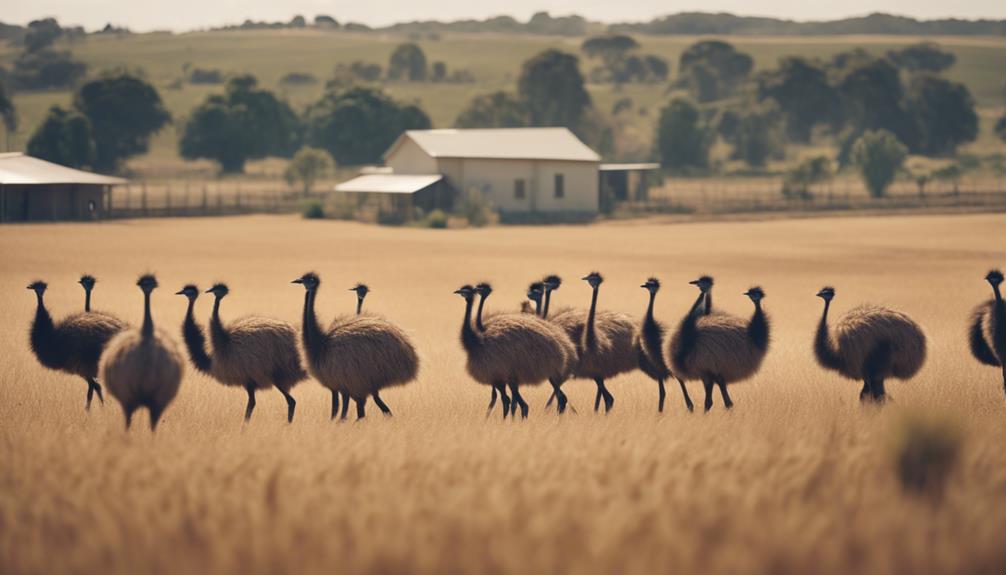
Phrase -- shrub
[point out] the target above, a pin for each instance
(312, 210)
(926, 449)
(436, 219)
(204, 76)
(476, 209)
(878, 155)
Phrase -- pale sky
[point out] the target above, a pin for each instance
(180, 15)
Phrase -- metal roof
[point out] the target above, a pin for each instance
(638, 167)
(19, 169)
(501, 144)
(388, 183)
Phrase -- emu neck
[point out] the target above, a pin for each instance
(218, 334)
(543, 311)
(708, 305)
(469, 339)
(44, 339)
(195, 341)
(538, 310)
(826, 354)
(478, 316)
(359, 305)
(758, 328)
(312, 334)
(590, 336)
(999, 296)
(147, 330)
(87, 300)
(653, 335)
(687, 332)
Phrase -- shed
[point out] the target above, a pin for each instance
(33, 189)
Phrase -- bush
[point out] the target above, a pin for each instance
(925, 451)
(878, 155)
(312, 210)
(436, 219)
(204, 76)
(476, 209)
(298, 79)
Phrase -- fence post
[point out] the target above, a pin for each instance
(143, 198)
(167, 200)
(205, 198)
(220, 200)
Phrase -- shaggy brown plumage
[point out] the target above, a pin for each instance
(358, 354)
(75, 344)
(513, 350)
(649, 344)
(144, 367)
(870, 343)
(987, 328)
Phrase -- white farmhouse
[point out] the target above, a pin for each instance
(518, 170)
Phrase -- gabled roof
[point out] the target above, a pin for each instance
(388, 183)
(501, 144)
(19, 169)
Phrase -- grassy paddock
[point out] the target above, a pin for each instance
(797, 478)
(494, 60)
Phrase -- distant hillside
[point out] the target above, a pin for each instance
(684, 23)
(723, 23)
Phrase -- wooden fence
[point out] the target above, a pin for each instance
(140, 200)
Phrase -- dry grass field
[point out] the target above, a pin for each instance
(798, 478)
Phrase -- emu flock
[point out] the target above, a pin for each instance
(360, 354)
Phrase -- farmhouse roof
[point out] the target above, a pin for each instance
(19, 169)
(388, 183)
(501, 144)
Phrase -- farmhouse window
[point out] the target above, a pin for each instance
(518, 189)
(560, 186)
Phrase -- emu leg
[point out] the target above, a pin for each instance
(864, 394)
(250, 388)
(155, 416)
(597, 399)
(727, 402)
(559, 395)
(381, 405)
(504, 398)
(335, 404)
(688, 400)
(345, 405)
(291, 405)
(518, 401)
(492, 402)
(92, 388)
(662, 395)
(551, 399)
(609, 400)
(1004, 376)
(708, 385)
(129, 416)
(878, 391)
(361, 408)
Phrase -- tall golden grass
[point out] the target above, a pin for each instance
(798, 478)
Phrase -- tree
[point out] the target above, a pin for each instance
(872, 96)
(325, 21)
(944, 115)
(41, 34)
(439, 71)
(46, 69)
(124, 111)
(245, 123)
(612, 46)
(922, 57)
(683, 140)
(798, 180)
(713, 69)
(8, 114)
(496, 110)
(356, 125)
(552, 89)
(64, 137)
(408, 63)
(800, 87)
(756, 136)
(307, 167)
(1001, 128)
(878, 155)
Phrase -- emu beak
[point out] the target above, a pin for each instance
(29, 287)
(209, 291)
(180, 292)
(585, 278)
(297, 281)
(694, 282)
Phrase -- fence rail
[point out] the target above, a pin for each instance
(172, 200)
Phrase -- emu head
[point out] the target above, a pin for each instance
(534, 291)
(552, 283)
(147, 283)
(190, 291)
(310, 281)
(652, 285)
(87, 281)
(756, 294)
(361, 290)
(466, 291)
(704, 283)
(994, 277)
(220, 290)
(38, 287)
(826, 293)
(594, 279)
(483, 289)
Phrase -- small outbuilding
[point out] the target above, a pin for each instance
(32, 189)
(517, 170)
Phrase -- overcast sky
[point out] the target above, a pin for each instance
(179, 15)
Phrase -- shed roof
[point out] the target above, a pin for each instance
(20, 169)
(501, 144)
(636, 167)
(388, 183)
